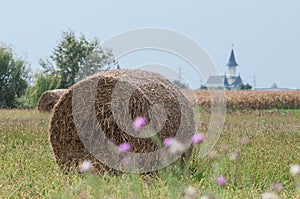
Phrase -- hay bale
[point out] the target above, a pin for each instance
(95, 116)
(48, 99)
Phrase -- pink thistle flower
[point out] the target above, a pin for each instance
(221, 181)
(190, 193)
(176, 147)
(210, 196)
(83, 195)
(245, 141)
(236, 155)
(224, 148)
(213, 155)
(139, 123)
(85, 166)
(197, 138)
(168, 141)
(277, 186)
(126, 161)
(124, 147)
(269, 195)
(295, 169)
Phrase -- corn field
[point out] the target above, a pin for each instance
(252, 99)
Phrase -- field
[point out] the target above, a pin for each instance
(255, 150)
(251, 99)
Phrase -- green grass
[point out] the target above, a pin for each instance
(28, 170)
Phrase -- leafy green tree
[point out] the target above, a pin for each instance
(72, 59)
(13, 76)
(203, 87)
(75, 58)
(180, 84)
(43, 82)
(245, 87)
(274, 86)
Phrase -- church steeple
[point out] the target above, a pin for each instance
(230, 80)
(232, 64)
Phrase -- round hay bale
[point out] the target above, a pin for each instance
(48, 99)
(96, 115)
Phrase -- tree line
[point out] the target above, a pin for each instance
(73, 59)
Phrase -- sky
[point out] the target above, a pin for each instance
(265, 34)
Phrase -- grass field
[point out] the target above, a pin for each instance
(254, 151)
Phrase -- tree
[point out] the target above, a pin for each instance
(203, 87)
(180, 84)
(13, 75)
(75, 58)
(245, 87)
(274, 86)
(94, 62)
(43, 82)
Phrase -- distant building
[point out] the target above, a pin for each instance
(228, 81)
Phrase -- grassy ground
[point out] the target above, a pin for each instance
(27, 168)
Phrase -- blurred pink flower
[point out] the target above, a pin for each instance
(190, 193)
(245, 141)
(210, 196)
(126, 161)
(197, 138)
(168, 141)
(85, 166)
(224, 148)
(176, 147)
(83, 195)
(221, 181)
(124, 147)
(236, 155)
(269, 195)
(277, 186)
(213, 155)
(295, 169)
(139, 123)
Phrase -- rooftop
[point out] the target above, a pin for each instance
(232, 62)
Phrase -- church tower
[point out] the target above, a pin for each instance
(228, 81)
(234, 80)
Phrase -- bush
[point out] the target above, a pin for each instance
(13, 75)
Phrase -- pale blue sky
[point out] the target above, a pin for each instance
(266, 34)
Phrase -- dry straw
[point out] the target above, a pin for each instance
(48, 99)
(253, 99)
(69, 143)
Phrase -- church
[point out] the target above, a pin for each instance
(228, 81)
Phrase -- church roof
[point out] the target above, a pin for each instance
(234, 82)
(232, 62)
(217, 81)
(221, 81)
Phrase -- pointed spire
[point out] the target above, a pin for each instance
(232, 62)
